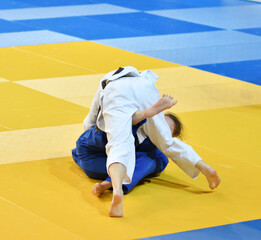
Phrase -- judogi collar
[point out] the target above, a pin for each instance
(127, 72)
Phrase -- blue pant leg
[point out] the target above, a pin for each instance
(93, 165)
(160, 159)
(153, 152)
(149, 162)
(75, 156)
(90, 155)
(145, 166)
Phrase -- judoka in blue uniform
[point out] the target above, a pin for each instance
(91, 157)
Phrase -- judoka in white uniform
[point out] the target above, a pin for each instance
(126, 93)
(121, 93)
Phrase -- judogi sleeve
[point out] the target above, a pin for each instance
(179, 152)
(157, 129)
(91, 118)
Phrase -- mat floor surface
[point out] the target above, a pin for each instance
(52, 56)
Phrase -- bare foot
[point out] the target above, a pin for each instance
(116, 204)
(164, 103)
(100, 188)
(210, 174)
(212, 177)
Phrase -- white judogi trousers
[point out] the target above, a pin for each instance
(125, 94)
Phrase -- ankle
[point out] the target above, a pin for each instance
(117, 191)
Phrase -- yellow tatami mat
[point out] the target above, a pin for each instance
(45, 93)
(23, 108)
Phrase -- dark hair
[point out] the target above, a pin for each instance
(178, 129)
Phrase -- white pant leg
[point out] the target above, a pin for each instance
(118, 107)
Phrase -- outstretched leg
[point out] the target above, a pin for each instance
(117, 172)
(164, 103)
(210, 174)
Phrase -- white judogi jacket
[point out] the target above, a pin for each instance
(125, 93)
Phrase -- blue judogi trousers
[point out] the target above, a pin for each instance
(91, 157)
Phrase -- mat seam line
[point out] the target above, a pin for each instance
(32, 213)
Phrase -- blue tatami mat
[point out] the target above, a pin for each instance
(7, 26)
(216, 36)
(254, 31)
(250, 230)
(249, 71)
(70, 26)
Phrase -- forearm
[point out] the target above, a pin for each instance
(184, 156)
(138, 117)
(179, 152)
